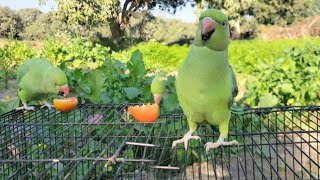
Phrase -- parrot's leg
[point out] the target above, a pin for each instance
(46, 104)
(187, 136)
(223, 128)
(22, 95)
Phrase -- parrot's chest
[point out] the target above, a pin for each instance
(209, 88)
(207, 80)
(204, 86)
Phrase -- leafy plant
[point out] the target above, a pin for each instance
(11, 56)
(292, 79)
(157, 56)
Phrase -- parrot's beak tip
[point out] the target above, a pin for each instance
(157, 98)
(65, 89)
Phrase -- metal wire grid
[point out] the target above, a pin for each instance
(275, 143)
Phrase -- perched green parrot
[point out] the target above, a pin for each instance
(206, 84)
(158, 86)
(37, 78)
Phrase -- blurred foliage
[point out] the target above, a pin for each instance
(116, 14)
(10, 23)
(157, 56)
(291, 78)
(162, 30)
(29, 16)
(139, 25)
(75, 52)
(281, 12)
(44, 26)
(11, 56)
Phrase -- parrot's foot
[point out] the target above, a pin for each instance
(28, 108)
(48, 105)
(185, 140)
(220, 142)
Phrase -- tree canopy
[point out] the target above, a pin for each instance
(94, 12)
(10, 23)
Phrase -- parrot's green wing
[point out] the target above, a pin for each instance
(36, 64)
(234, 87)
(235, 92)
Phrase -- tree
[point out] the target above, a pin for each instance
(45, 25)
(91, 13)
(10, 23)
(281, 12)
(29, 15)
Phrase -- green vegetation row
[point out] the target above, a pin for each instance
(279, 72)
(283, 72)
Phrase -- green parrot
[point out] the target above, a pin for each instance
(158, 87)
(206, 84)
(37, 78)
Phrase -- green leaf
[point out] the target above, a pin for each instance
(95, 82)
(136, 64)
(120, 65)
(132, 92)
(287, 64)
(171, 102)
(105, 98)
(84, 88)
(287, 87)
(268, 100)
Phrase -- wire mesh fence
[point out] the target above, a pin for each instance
(103, 142)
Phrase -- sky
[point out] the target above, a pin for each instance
(185, 14)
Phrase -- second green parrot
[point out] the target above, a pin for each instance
(206, 84)
(158, 87)
(37, 78)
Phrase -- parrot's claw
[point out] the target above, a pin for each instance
(48, 105)
(28, 108)
(220, 142)
(185, 140)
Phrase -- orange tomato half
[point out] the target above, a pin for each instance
(145, 113)
(66, 104)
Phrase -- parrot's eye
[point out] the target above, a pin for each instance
(223, 23)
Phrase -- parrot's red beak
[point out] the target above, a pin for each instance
(65, 90)
(157, 98)
(207, 28)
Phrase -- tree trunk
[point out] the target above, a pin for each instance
(115, 28)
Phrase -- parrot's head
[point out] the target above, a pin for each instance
(158, 87)
(213, 30)
(57, 82)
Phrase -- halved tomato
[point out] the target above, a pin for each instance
(145, 113)
(66, 104)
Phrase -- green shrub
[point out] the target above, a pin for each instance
(291, 79)
(11, 56)
(157, 56)
(75, 52)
